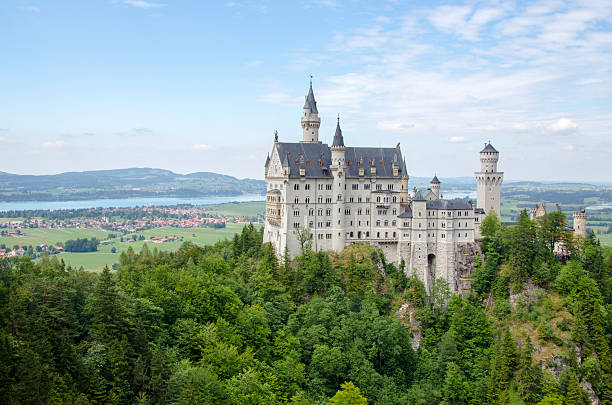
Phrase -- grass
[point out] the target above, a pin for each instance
(39, 236)
(605, 240)
(239, 209)
(95, 261)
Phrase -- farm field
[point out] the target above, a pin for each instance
(96, 261)
(251, 208)
(38, 236)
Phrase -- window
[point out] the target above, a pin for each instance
(386, 234)
(378, 234)
(307, 200)
(310, 224)
(389, 186)
(347, 211)
(328, 236)
(379, 187)
(366, 186)
(393, 223)
(328, 224)
(320, 211)
(386, 223)
(296, 186)
(328, 187)
(320, 187)
(394, 199)
(328, 212)
(351, 234)
(358, 199)
(394, 210)
(367, 211)
(355, 186)
(307, 187)
(328, 200)
(367, 234)
(359, 211)
(311, 212)
(351, 199)
(339, 197)
(296, 225)
(297, 200)
(378, 223)
(320, 199)
(296, 213)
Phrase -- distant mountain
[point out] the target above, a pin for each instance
(122, 183)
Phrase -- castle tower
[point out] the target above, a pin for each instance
(489, 180)
(338, 169)
(310, 120)
(580, 218)
(434, 186)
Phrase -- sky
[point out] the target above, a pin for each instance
(190, 85)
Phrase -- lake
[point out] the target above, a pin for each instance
(124, 202)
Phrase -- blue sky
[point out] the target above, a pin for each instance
(201, 85)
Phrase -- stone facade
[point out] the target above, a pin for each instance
(345, 195)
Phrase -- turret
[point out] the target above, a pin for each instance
(580, 218)
(489, 157)
(310, 120)
(338, 169)
(404, 192)
(489, 180)
(434, 186)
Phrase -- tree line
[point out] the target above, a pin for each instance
(232, 324)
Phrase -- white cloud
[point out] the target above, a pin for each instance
(276, 98)
(563, 125)
(457, 139)
(395, 126)
(143, 4)
(30, 9)
(203, 146)
(53, 144)
(569, 148)
(254, 63)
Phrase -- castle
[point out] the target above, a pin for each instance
(343, 195)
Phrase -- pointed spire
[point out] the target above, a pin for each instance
(338, 139)
(434, 180)
(267, 160)
(286, 161)
(311, 103)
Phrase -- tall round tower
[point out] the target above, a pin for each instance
(489, 181)
(434, 186)
(338, 169)
(310, 120)
(580, 218)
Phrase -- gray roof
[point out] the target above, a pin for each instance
(489, 148)
(316, 159)
(381, 158)
(447, 205)
(479, 211)
(435, 180)
(274, 191)
(338, 139)
(406, 214)
(418, 196)
(310, 101)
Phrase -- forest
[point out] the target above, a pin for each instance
(230, 324)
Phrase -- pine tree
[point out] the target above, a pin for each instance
(574, 392)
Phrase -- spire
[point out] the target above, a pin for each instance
(267, 160)
(404, 170)
(310, 103)
(286, 161)
(434, 180)
(338, 139)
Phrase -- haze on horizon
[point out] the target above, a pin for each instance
(193, 86)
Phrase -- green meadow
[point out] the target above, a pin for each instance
(39, 236)
(96, 261)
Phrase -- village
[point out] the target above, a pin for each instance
(120, 223)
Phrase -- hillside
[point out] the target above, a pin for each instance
(122, 183)
(229, 324)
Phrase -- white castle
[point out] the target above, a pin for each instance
(345, 195)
